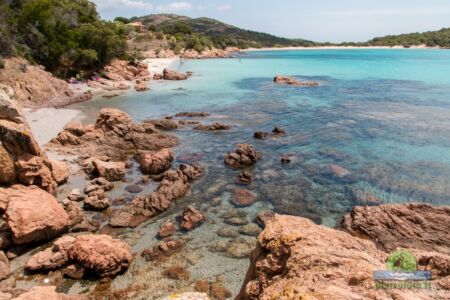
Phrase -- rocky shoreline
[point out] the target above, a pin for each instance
(93, 235)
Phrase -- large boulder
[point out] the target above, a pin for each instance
(245, 155)
(52, 257)
(60, 171)
(156, 162)
(33, 214)
(101, 254)
(418, 226)
(295, 259)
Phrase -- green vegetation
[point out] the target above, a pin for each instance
(439, 38)
(65, 36)
(202, 33)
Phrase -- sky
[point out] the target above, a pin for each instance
(317, 20)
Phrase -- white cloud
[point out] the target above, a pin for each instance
(385, 12)
(123, 4)
(214, 6)
(175, 6)
(223, 7)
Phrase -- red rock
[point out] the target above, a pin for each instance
(75, 128)
(167, 230)
(52, 257)
(101, 254)
(172, 75)
(243, 197)
(34, 214)
(192, 172)
(141, 86)
(192, 218)
(47, 293)
(4, 266)
(111, 171)
(413, 226)
(245, 177)
(74, 271)
(60, 171)
(245, 155)
(163, 124)
(96, 203)
(157, 162)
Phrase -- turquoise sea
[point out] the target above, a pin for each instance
(384, 115)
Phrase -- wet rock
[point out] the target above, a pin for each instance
(163, 124)
(177, 273)
(33, 214)
(167, 230)
(212, 127)
(285, 159)
(155, 163)
(4, 265)
(245, 177)
(261, 135)
(285, 80)
(338, 171)
(101, 254)
(192, 218)
(78, 220)
(219, 292)
(163, 250)
(74, 271)
(250, 229)
(96, 203)
(243, 197)
(192, 171)
(188, 122)
(426, 226)
(52, 257)
(228, 232)
(47, 293)
(141, 86)
(133, 188)
(173, 75)
(190, 158)
(245, 155)
(99, 183)
(278, 131)
(191, 114)
(76, 195)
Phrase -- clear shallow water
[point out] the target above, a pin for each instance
(382, 114)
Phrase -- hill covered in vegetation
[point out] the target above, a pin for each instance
(439, 38)
(198, 33)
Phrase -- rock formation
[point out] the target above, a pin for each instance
(174, 185)
(173, 75)
(296, 259)
(412, 226)
(21, 158)
(285, 80)
(115, 136)
(245, 155)
(47, 293)
(192, 218)
(156, 162)
(212, 127)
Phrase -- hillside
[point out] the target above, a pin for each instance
(439, 38)
(221, 34)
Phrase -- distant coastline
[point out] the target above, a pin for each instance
(338, 48)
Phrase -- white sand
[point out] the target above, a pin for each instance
(157, 65)
(46, 123)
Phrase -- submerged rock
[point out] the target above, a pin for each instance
(163, 124)
(243, 197)
(285, 80)
(245, 155)
(192, 114)
(192, 218)
(167, 230)
(245, 177)
(212, 127)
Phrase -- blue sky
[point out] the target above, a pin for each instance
(318, 20)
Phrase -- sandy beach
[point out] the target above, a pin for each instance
(46, 123)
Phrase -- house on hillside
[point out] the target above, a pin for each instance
(138, 26)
